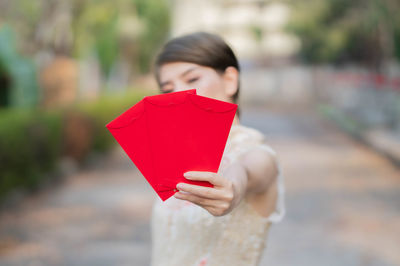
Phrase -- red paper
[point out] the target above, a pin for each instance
(167, 135)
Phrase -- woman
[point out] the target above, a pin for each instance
(226, 224)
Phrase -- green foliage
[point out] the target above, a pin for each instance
(256, 30)
(95, 30)
(18, 71)
(97, 27)
(339, 30)
(345, 121)
(33, 140)
(397, 42)
(103, 111)
(107, 46)
(29, 146)
(112, 31)
(156, 16)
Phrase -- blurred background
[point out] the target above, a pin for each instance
(320, 78)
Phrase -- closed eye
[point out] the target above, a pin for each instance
(166, 91)
(192, 80)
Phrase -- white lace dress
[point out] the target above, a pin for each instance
(185, 234)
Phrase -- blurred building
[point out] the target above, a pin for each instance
(254, 28)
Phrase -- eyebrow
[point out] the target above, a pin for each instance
(182, 75)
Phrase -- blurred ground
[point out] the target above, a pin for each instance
(343, 205)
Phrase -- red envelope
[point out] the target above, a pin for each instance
(169, 134)
(130, 131)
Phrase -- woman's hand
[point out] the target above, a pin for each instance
(217, 200)
(251, 175)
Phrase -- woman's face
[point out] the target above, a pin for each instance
(178, 76)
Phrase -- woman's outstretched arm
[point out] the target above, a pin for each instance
(252, 174)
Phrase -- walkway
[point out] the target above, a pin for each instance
(343, 206)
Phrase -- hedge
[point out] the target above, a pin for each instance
(33, 140)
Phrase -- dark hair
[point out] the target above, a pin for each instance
(202, 48)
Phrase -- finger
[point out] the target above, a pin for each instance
(211, 177)
(205, 192)
(203, 202)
